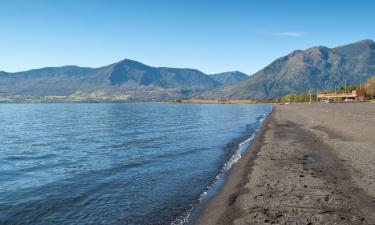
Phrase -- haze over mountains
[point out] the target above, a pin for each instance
(316, 68)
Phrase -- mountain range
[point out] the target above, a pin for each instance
(314, 69)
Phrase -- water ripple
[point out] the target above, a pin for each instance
(114, 163)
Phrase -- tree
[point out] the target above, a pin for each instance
(370, 87)
(303, 97)
(349, 88)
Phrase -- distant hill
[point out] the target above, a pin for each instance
(317, 68)
(229, 78)
(131, 78)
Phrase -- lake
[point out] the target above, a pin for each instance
(116, 163)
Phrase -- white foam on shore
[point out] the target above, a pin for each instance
(242, 147)
(238, 153)
(184, 219)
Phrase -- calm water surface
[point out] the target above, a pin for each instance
(115, 163)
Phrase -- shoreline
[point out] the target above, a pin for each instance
(180, 102)
(309, 164)
(235, 178)
(215, 187)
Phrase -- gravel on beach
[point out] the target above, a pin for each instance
(311, 164)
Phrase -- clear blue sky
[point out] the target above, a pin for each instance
(213, 36)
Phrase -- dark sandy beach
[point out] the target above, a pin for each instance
(311, 164)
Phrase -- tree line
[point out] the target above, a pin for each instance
(369, 88)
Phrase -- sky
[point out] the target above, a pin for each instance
(210, 35)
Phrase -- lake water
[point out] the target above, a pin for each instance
(116, 163)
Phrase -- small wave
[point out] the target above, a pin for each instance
(185, 218)
(242, 147)
(238, 153)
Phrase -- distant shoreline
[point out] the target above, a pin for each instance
(36, 101)
(205, 102)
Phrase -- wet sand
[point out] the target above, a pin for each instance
(311, 164)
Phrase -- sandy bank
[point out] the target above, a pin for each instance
(312, 164)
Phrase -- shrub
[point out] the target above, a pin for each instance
(370, 87)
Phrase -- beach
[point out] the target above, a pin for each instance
(310, 164)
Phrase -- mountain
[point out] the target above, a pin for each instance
(129, 78)
(317, 68)
(229, 78)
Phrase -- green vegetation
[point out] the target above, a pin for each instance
(349, 88)
(304, 97)
(370, 87)
(96, 96)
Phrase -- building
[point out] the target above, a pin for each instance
(354, 96)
